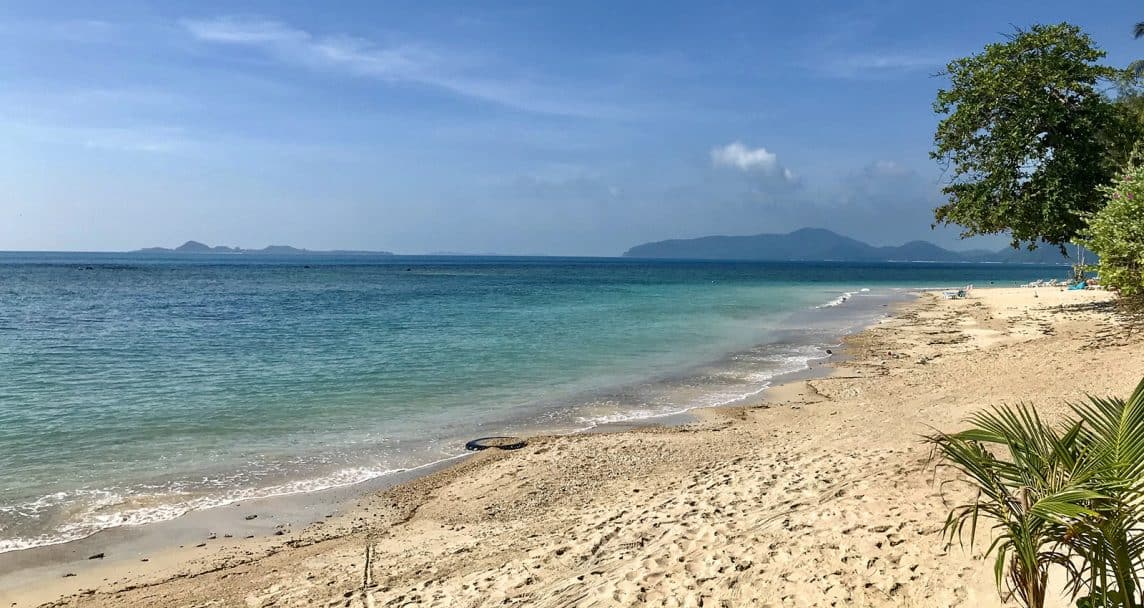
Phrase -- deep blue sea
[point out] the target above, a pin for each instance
(134, 388)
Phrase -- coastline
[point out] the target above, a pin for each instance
(435, 531)
(608, 406)
(195, 539)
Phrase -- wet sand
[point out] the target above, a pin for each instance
(817, 494)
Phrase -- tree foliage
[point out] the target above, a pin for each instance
(1128, 123)
(1025, 136)
(1116, 233)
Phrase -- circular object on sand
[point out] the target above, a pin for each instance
(502, 443)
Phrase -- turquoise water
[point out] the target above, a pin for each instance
(135, 388)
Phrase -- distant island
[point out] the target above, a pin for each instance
(197, 247)
(819, 244)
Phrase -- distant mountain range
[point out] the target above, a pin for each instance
(818, 244)
(197, 247)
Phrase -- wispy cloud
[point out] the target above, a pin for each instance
(881, 65)
(129, 146)
(891, 62)
(243, 31)
(401, 63)
(887, 168)
(132, 140)
(150, 140)
(857, 45)
(70, 30)
(46, 98)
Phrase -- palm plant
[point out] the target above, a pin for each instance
(1070, 495)
(1034, 497)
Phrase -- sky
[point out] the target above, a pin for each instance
(562, 128)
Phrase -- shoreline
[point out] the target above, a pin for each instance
(147, 549)
(383, 517)
(344, 492)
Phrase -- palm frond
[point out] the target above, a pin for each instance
(1067, 506)
(1114, 430)
(1054, 495)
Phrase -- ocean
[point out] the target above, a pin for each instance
(135, 388)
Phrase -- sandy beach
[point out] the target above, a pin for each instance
(818, 494)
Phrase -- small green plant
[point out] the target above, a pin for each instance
(1069, 495)
(1032, 496)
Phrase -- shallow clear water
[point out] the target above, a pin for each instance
(134, 388)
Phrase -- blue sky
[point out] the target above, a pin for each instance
(572, 128)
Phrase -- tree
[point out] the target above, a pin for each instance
(1023, 136)
(1116, 233)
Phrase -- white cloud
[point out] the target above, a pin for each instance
(759, 161)
(409, 63)
(743, 158)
